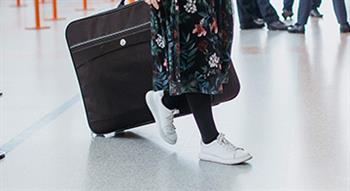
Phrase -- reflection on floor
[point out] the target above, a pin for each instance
(292, 114)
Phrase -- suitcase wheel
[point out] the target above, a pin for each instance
(107, 135)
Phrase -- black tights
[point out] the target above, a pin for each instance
(200, 106)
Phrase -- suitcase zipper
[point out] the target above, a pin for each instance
(107, 36)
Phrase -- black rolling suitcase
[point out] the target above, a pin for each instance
(112, 59)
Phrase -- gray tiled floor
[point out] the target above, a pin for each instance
(292, 114)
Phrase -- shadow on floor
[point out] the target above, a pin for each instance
(129, 161)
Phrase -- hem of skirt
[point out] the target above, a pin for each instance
(202, 92)
(220, 91)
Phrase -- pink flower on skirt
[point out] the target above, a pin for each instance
(198, 28)
(214, 26)
(165, 63)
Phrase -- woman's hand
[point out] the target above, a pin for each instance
(153, 2)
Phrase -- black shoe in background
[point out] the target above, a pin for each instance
(300, 29)
(2, 155)
(252, 25)
(345, 28)
(315, 13)
(277, 25)
(287, 13)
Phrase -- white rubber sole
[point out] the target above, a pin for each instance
(212, 158)
(152, 107)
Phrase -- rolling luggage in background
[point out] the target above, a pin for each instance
(112, 58)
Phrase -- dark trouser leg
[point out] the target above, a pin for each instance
(269, 13)
(256, 11)
(316, 4)
(200, 105)
(244, 11)
(340, 11)
(288, 5)
(248, 10)
(304, 9)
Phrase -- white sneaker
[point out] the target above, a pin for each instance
(163, 116)
(222, 151)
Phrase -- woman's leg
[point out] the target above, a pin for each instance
(215, 147)
(200, 105)
(176, 102)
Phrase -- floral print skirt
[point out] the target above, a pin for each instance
(191, 45)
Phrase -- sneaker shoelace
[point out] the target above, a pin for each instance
(170, 117)
(226, 143)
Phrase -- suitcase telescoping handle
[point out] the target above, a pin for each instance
(122, 2)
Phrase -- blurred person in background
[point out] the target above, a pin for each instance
(305, 7)
(253, 13)
(288, 9)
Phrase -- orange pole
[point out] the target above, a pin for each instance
(84, 5)
(37, 14)
(37, 18)
(19, 4)
(54, 12)
(54, 9)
